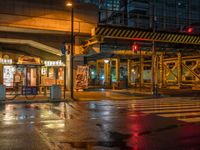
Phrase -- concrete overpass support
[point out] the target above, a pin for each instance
(161, 70)
(141, 71)
(117, 66)
(68, 73)
(97, 71)
(129, 71)
(107, 74)
(20, 15)
(179, 70)
(156, 71)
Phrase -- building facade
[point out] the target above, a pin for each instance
(117, 62)
(169, 15)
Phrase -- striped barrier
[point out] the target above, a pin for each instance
(135, 34)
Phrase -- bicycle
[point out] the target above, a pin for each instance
(29, 92)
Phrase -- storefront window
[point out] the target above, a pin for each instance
(8, 75)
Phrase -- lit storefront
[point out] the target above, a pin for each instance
(8, 71)
(52, 73)
(20, 70)
(23, 71)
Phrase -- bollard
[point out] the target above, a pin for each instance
(45, 91)
(156, 91)
(55, 92)
(2, 92)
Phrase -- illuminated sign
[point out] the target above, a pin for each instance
(53, 63)
(43, 70)
(5, 61)
(28, 60)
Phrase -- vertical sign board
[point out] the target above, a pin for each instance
(82, 77)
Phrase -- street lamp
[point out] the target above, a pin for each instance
(70, 4)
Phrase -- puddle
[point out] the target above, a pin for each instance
(159, 129)
(91, 145)
(117, 140)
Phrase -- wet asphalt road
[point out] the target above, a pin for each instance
(161, 124)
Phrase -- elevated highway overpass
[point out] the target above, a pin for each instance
(44, 24)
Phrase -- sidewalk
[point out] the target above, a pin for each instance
(134, 93)
(108, 94)
(87, 95)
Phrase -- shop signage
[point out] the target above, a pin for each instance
(5, 61)
(82, 77)
(29, 90)
(43, 70)
(53, 63)
(28, 60)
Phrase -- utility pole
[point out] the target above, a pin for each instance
(71, 5)
(72, 55)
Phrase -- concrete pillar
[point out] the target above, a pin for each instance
(137, 77)
(117, 64)
(1, 70)
(97, 71)
(129, 64)
(154, 86)
(141, 71)
(107, 74)
(68, 74)
(161, 70)
(156, 70)
(179, 70)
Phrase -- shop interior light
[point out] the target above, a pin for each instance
(106, 61)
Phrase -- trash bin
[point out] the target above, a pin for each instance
(55, 92)
(2, 92)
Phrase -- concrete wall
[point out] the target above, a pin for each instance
(47, 15)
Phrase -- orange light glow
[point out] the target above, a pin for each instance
(69, 4)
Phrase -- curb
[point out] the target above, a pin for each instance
(31, 101)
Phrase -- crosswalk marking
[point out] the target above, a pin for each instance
(179, 108)
(183, 109)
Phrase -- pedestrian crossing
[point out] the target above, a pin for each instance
(183, 109)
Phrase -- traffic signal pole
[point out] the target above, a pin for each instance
(154, 87)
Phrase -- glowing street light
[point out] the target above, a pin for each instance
(69, 4)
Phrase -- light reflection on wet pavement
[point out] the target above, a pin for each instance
(101, 125)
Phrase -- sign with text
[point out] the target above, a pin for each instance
(82, 77)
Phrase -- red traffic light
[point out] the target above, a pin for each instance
(135, 47)
(190, 30)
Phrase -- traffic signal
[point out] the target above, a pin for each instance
(135, 47)
(190, 30)
(65, 48)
